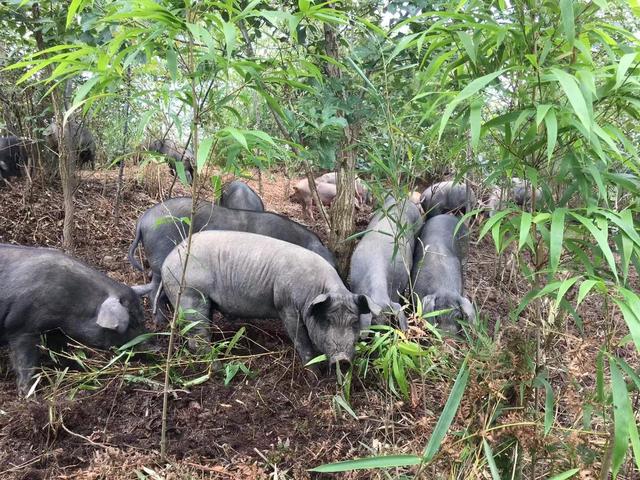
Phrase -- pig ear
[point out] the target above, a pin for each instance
(468, 310)
(428, 303)
(319, 304)
(366, 305)
(113, 316)
(365, 321)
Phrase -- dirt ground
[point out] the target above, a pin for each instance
(279, 421)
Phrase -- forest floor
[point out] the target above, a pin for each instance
(278, 421)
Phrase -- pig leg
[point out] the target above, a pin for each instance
(24, 358)
(308, 208)
(298, 333)
(198, 307)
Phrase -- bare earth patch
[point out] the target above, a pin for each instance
(279, 421)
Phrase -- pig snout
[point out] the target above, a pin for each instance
(340, 358)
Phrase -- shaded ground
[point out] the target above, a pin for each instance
(280, 420)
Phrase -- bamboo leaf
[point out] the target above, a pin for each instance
(555, 238)
(474, 87)
(541, 112)
(525, 226)
(622, 416)
(488, 452)
(203, 153)
(601, 238)
(551, 123)
(541, 380)
(469, 47)
(568, 25)
(74, 7)
(448, 413)
(389, 461)
(565, 475)
(238, 136)
(572, 90)
(475, 119)
(623, 67)
(585, 288)
(633, 427)
(229, 31)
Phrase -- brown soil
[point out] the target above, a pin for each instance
(277, 422)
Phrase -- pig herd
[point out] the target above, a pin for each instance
(246, 262)
(80, 145)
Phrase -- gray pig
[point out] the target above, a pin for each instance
(176, 153)
(446, 197)
(382, 260)
(79, 142)
(437, 271)
(241, 196)
(519, 193)
(248, 275)
(45, 290)
(161, 228)
(13, 157)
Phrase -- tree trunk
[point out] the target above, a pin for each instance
(66, 164)
(125, 139)
(342, 209)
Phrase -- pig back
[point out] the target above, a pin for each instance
(379, 267)
(246, 273)
(439, 256)
(46, 289)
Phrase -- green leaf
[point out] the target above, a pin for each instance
(74, 7)
(197, 381)
(600, 377)
(572, 90)
(318, 359)
(635, 7)
(467, 43)
(525, 226)
(389, 461)
(541, 112)
(402, 45)
(475, 119)
(471, 89)
(303, 5)
(229, 31)
(238, 135)
(623, 67)
(180, 171)
(552, 131)
(203, 153)
(585, 288)
(566, 11)
(488, 452)
(630, 309)
(342, 402)
(564, 287)
(556, 238)
(601, 238)
(541, 380)
(172, 64)
(633, 428)
(85, 89)
(565, 475)
(622, 416)
(448, 413)
(497, 218)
